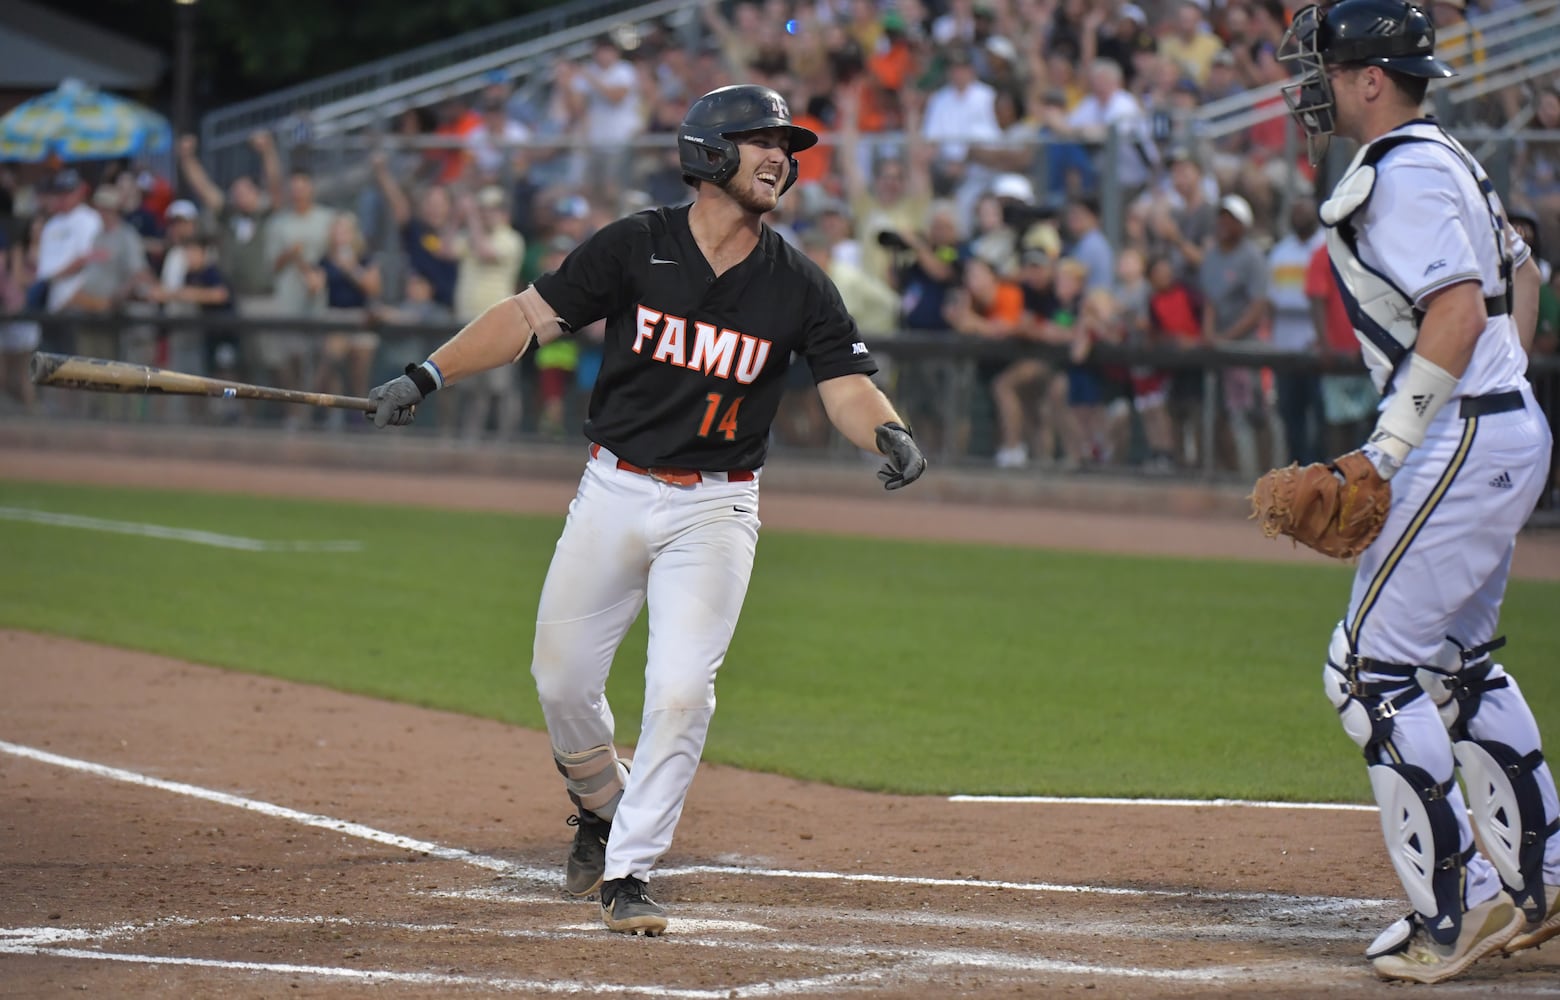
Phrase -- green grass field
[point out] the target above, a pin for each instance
(910, 667)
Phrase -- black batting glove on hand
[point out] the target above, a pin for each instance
(905, 461)
(398, 398)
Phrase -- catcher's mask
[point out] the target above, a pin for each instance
(705, 143)
(1392, 34)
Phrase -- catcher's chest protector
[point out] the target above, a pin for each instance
(1383, 315)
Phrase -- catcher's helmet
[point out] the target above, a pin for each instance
(704, 140)
(1393, 34)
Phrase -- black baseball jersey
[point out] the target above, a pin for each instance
(693, 366)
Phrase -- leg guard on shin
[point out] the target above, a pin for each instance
(593, 777)
(1422, 839)
(1417, 822)
(1504, 798)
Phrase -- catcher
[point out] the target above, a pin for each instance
(1443, 295)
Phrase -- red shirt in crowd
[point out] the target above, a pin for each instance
(1175, 315)
(1321, 283)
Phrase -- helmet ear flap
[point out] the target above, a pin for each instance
(790, 177)
(706, 155)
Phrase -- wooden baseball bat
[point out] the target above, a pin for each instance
(65, 371)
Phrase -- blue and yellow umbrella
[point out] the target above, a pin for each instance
(78, 122)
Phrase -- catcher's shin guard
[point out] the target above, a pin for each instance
(1422, 839)
(1505, 800)
(1418, 824)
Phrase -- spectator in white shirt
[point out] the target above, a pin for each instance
(1108, 106)
(493, 145)
(65, 245)
(960, 113)
(604, 95)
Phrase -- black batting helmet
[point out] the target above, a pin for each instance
(1393, 34)
(704, 140)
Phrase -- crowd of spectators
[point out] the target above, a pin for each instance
(990, 170)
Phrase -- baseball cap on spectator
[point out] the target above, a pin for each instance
(1187, 85)
(1002, 48)
(65, 180)
(573, 207)
(1239, 208)
(106, 197)
(1134, 12)
(1224, 57)
(491, 196)
(1043, 237)
(1014, 186)
(181, 209)
(1034, 255)
(893, 21)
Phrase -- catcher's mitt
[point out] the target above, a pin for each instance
(1336, 508)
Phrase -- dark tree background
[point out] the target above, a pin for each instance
(244, 48)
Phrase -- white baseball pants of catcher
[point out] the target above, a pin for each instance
(1439, 569)
(687, 551)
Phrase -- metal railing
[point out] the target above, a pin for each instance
(963, 367)
(429, 71)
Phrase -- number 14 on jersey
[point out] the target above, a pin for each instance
(728, 418)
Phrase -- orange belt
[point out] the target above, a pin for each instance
(675, 477)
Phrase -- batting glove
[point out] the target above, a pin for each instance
(397, 399)
(905, 461)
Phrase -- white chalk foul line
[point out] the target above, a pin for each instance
(264, 808)
(1223, 803)
(173, 534)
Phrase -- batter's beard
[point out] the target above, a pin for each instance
(750, 200)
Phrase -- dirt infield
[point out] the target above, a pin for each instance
(175, 830)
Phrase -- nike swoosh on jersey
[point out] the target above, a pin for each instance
(660, 260)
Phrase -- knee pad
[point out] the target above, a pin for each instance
(1423, 840)
(1458, 679)
(594, 778)
(1366, 706)
(1507, 809)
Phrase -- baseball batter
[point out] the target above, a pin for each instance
(1443, 296)
(704, 306)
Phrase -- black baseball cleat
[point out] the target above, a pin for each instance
(626, 907)
(588, 854)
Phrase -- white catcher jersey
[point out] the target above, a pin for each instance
(1424, 224)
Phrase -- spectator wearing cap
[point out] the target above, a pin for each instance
(960, 113)
(930, 258)
(490, 254)
(296, 236)
(1233, 283)
(180, 348)
(65, 245)
(1189, 42)
(1223, 80)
